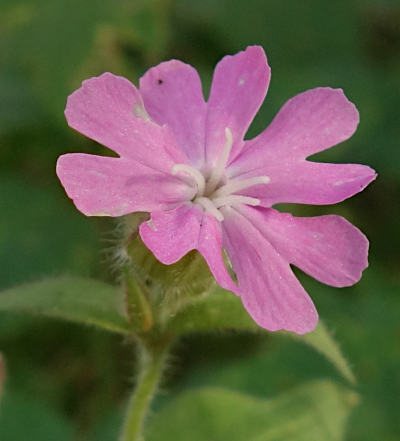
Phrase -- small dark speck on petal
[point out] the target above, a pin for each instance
(160, 81)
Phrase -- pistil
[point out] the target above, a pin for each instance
(233, 187)
(219, 167)
(210, 194)
(209, 207)
(193, 173)
(235, 199)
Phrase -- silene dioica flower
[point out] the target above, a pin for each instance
(186, 162)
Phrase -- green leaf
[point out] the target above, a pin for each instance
(321, 340)
(2, 375)
(105, 35)
(223, 311)
(315, 411)
(59, 239)
(24, 417)
(77, 299)
(218, 310)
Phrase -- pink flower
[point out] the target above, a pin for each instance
(186, 161)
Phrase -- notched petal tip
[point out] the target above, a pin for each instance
(239, 86)
(343, 111)
(259, 51)
(370, 176)
(358, 247)
(155, 75)
(173, 95)
(106, 90)
(63, 172)
(329, 113)
(88, 84)
(359, 177)
(252, 54)
(255, 50)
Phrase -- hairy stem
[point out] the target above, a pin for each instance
(152, 362)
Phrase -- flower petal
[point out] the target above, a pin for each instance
(328, 248)
(173, 95)
(104, 186)
(304, 182)
(269, 290)
(238, 89)
(172, 234)
(109, 110)
(308, 123)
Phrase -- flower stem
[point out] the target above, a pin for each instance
(152, 360)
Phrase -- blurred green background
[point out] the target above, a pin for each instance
(69, 383)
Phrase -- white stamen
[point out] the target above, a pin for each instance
(235, 199)
(233, 187)
(218, 169)
(208, 195)
(209, 207)
(193, 173)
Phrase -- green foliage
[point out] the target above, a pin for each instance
(40, 232)
(24, 417)
(2, 375)
(313, 412)
(91, 302)
(76, 299)
(370, 341)
(58, 43)
(322, 340)
(222, 310)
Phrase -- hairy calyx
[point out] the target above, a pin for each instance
(214, 190)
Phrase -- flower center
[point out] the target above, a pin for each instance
(214, 190)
